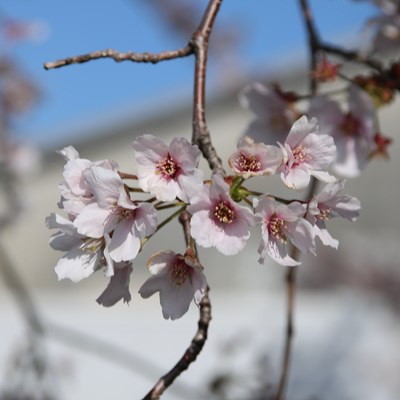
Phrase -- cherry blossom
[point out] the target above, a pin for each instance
(74, 189)
(254, 159)
(352, 130)
(83, 255)
(167, 172)
(217, 220)
(179, 280)
(113, 211)
(386, 25)
(329, 204)
(306, 154)
(281, 224)
(273, 116)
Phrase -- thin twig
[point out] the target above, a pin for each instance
(190, 354)
(117, 56)
(184, 219)
(313, 43)
(290, 308)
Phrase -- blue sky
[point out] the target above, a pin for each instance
(77, 94)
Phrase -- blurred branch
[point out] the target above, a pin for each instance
(88, 343)
(313, 44)
(21, 294)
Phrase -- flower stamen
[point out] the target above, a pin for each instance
(325, 214)
(167, 167)
(248, 163)
(276, 228)
(224, 213)
(300, 155)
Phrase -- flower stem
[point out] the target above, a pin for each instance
(167, 206)
(162, 224)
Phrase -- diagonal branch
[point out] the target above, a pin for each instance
(117, 56)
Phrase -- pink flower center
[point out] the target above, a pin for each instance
(179, 272)
(224, 213)
(276, 228)
(248, 163)
(300, 155)
(167, 167)
(350, 125)
(124, 213)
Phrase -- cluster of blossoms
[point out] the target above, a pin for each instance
(108, 221)
(351, 124)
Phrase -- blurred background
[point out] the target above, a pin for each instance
(57, 342)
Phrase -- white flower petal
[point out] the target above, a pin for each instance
(117, 289)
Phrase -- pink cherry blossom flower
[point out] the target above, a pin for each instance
(118, 288)
(273, 116)
(306, 153)
(281, 224)
(178, 279)
(74, 189)
(167, 172)
(254, 159)
(352, 130)
(329, 204)
(83, 255)
(113, 211)
(218, 221)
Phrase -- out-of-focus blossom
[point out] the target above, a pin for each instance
(167, 172)
(281, 224)
(113, 211)
(386, 26)
(329, 204)
(118, 288)
(179, 280)
(254, 159)
(273, 116)
(218, 221)
(83, 255)
(381, 146)
(352, 129)
(326, 71)
(306, 154)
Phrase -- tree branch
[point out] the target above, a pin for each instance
(199, 42)
(117, 56)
